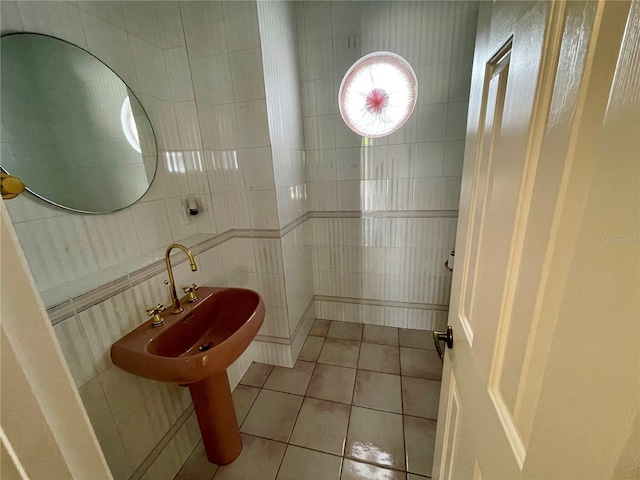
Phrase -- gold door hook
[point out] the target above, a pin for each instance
(11, 186)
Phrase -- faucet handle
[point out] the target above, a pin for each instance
(190, 290)
(155, 312)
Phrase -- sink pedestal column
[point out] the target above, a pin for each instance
(217, 418)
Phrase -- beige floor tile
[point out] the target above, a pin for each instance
(197, 467)
(352, 470)
(412, 476)
(379, 358)
(382, 335)
(260, 458)
(300, 463)
(273, 415)
(256, 375)
(378, 390)
(420, 397)
(420, 363)
(340, 352)
(333, 383)
(416, 338)
(321, 425)
(291, 380)
(420, 437)
(375, 437)
(345, 330)
(243, 398)
(311, 349)
(320, 328)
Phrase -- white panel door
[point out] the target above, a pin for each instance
(543, 380)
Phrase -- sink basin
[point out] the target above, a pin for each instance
(196, 347)
(223, 322)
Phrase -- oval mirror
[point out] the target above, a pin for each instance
(72, 130)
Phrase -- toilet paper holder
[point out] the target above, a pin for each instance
(449, 262)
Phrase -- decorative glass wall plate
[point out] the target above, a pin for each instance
(378, 94)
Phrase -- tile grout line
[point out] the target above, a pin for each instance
(297, 414)
(250, 406)
(93, 296)
(351, 405)
(353, 394)
(377, 409)
(404, 439)
(357, 460)
(384, 344)
(160, 446)
(358, 368)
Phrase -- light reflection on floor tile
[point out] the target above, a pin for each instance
(352, 470)
(375, 437)
(351, 415)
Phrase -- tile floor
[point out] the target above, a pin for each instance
(360, 403)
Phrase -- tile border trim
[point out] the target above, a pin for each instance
(77, 304)
(288, 341)
(382, 303)
(164, 441)
(385, 214)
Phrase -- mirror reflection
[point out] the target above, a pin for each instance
(72, 130)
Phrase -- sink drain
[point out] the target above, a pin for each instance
(205, 346)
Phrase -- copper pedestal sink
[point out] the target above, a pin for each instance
(195, 347)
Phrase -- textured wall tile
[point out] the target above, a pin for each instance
(166, 465)
(143, 429)
(211, 267)
(241, 21)
(74, 347)
(205, 28)
(95, 403)
(107, 322)
(124, 392)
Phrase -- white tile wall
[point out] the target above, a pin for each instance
(296, 252)
(416, 168)
(402, 317)
(262, 209)
(387, 259)
(430, 36)
(278, 36)
(241, 21)
(258, 168)
(246, 75)
(151, 69)
(206, 27)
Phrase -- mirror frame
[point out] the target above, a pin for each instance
(155, 140)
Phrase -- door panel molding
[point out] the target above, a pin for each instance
(505, 408)
(451, 429)
(493, 97)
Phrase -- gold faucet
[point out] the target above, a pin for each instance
(175, 303)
